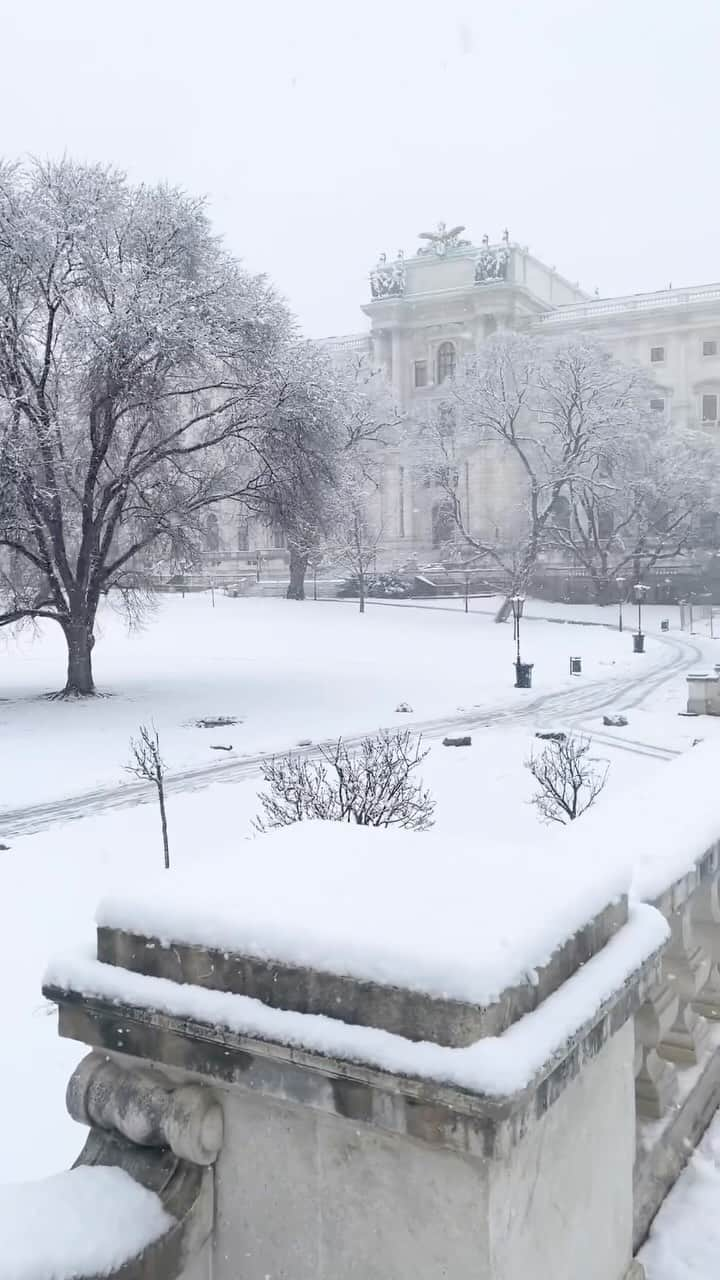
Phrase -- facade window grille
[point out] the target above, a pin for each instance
(446, 361)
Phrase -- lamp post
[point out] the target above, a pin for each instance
(523, 670)
(620, 582)
(639, 638)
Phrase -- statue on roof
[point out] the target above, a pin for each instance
(491, 265)
(387, 280)
(443, 241)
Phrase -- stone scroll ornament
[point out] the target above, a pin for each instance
(491, 265)
(387, 280)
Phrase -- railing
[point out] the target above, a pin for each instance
(677, 1036)
(631, 303)
(347, 342)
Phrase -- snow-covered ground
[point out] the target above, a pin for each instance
(684, 1240)
(284, 671)
(287, 671)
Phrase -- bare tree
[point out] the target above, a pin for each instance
(370, 785)
(569, 780)
(550, 414)
(357, 535)
(148, 765)
(137, 379)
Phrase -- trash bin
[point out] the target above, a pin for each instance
(638, 642)
(665, 624)
(523, 675)
(576, 666)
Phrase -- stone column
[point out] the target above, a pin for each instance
(655, 1079)
(686, 969)
(706, 923)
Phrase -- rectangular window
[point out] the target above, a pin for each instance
(421, 373)
(401, 502)
(710, 347)
(709, 408)
(657, 355)
(657, 406)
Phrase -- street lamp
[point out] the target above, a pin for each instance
(620, 582)
(523, 670)
(639, 638)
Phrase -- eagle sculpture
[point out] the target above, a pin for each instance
(441, 240)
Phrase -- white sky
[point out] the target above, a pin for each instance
(324, 131)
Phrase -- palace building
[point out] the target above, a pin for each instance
(427, 310)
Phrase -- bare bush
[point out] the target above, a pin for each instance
(569, 780)
(148, 765)
(370, 785)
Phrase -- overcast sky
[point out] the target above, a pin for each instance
(323, 132)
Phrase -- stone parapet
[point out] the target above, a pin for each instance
(412, 1014)
(335, 1165)
(677, 1038)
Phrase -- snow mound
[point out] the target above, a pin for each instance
(83, 1222)
(451, 918)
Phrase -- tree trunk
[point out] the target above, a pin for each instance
(298, 569)
(361, 587)
(80, 641)
(163, 820)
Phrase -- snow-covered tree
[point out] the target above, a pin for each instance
(138, 369)
(330, 426)
(553, 415)
(640, 506)
(357, 529)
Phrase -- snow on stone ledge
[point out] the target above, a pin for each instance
(83, 1222)
(420, 911)
(661, 828)
(495, 1066)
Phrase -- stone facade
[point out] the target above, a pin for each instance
(453, 300)
(427, 310)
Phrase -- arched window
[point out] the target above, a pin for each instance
(445, 361)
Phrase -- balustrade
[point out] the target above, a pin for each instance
(677, 1049)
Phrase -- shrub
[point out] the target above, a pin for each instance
(569, 780)
(370, 785)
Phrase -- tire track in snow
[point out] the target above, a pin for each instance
(570, 706)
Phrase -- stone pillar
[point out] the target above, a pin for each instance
(330, 1165)
(686, 969)
(705, 906)
(655, 1079)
